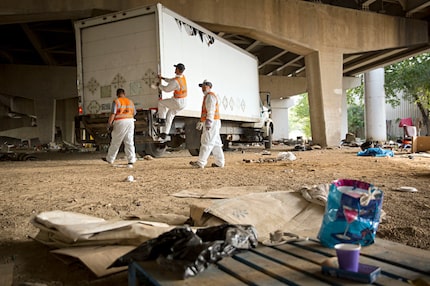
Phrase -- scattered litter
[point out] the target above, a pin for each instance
(286, 156)
(266, 152)
(406, 189)
(192, 252)
(316, 194)
(376, 152)
(279, 237)
(123, 166)
(300, 148)
(282, 156)
(148, 157)
(261, 160)
(129, 179)
(415, 155)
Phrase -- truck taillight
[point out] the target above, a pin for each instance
(80, 110)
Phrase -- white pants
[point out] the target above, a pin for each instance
(211, 143)
(167, 109)
(123, 131)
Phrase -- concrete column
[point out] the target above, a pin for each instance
(280, 117)
(347, 83)
(344, 117)
(324, 76)
(45, 118)
(374, 104)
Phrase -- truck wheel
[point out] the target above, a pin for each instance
(268, 140)
(155, 149)
(225, 143)
(194, 152)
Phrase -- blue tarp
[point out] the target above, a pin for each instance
(376, 152)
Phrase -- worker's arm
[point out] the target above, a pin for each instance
(172, 84)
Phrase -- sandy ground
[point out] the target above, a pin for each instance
(83, 183)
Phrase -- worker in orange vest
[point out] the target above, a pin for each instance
(121, 121)
(169, 107)
(210, 124)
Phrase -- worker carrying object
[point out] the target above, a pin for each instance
(210, 124)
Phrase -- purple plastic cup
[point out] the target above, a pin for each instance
(348, 256)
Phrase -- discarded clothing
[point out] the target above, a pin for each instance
(376, 152)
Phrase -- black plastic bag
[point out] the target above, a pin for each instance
(182, 249)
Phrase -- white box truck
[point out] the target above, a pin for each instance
(128, 50)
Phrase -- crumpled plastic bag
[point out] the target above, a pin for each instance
(182, 249)
(352, 213)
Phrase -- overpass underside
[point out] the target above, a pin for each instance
(320, 36)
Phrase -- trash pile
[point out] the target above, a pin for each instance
(189, 252)
(282, 156)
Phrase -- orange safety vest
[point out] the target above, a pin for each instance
(205, 111)
(182, 91)
(124, 108)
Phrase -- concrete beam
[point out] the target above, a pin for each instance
(297, 26)
(282, 87)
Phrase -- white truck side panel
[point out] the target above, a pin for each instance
(233, 72)
(119, 53)
(128, 49)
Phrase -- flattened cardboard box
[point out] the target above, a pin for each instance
(420, 144)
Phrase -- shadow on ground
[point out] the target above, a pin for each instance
(35, 265)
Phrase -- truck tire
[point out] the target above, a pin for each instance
(194, 152)
(192, 137)
(225, 143)
(155, 149)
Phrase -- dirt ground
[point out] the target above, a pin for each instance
(82, 182)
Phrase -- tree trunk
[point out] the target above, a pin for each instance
(426, 120)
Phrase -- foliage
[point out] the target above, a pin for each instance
(355, 100)
(356, 95)
(411, 79)
(299, 116)
(356, 119)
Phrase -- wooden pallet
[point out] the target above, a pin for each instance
(295, 263)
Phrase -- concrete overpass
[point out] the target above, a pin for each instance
(301, 46)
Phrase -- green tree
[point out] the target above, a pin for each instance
(411, 79)
(355, 100)
(299, 116)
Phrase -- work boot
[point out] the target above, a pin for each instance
(196, 164)
(215, 166)
(104, 159)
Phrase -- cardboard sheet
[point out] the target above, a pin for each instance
(98, 243)
(220, 193)
(65, 229)
(96, 258)
(420, 144)
(287, 211)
